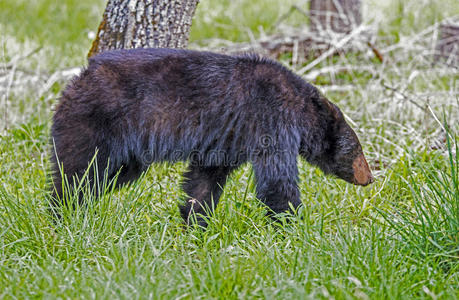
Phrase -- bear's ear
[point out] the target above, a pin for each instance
(334, 114)
(335, 111)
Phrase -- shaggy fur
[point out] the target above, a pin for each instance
(216, 111)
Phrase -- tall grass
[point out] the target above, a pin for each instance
(430, 224)
(396, 239)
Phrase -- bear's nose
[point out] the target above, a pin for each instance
(372, 179)
(362, 172)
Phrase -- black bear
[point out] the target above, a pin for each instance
(135, 107)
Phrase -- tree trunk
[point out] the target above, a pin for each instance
(448, 44)
(144, 24)
(335, 15)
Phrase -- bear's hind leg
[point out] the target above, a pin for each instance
(203, 185)
(81, 170)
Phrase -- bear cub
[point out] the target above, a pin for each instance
(130, 108)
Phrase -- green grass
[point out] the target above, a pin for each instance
(236, 20)
(60, 28)
(396, 239)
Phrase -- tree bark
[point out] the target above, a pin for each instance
(144, 24)
(335, 15)
(448, 45)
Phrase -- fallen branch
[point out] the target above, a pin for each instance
(425, 108)
(376, 52)
(332, 50)
(313, 74)
(15, 60)
(405, 97)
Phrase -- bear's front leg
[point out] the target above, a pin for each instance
(277, 179)
(203, 185)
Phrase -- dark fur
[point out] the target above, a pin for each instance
(150, 105)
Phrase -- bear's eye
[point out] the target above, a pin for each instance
(331, 144)
(346, 145)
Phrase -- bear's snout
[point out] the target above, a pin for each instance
(362, 172)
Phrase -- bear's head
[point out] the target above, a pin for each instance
(332, 145)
